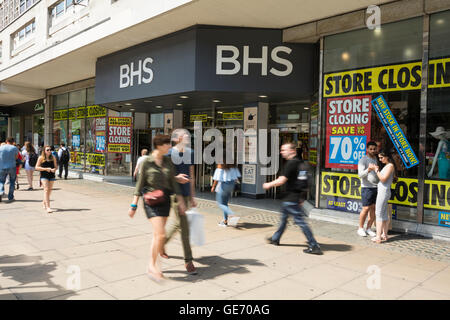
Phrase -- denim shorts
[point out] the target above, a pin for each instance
(368, 196)
(51, 179)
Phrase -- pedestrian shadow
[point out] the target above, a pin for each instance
(214, 266)
(399, 236)
(29, 279)
(68, 210)
(248, 225)
(27, 200)
(323, 246)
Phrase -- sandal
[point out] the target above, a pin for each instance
(156, 277)
(376, 240)
(164, 255)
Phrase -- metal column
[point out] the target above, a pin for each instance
(423, 119)
(319, 126)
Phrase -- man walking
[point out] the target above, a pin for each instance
(137, 170)
(64, 158)
(183, 160)
(369, 181)
(293, 199)
(8, 155)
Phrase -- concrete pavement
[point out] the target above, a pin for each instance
(90, 249)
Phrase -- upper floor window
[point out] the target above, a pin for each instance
(63, 7)
(24, 34)
(26, 4)
(1, 52)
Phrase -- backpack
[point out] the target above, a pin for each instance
(65, 156)
(304, 177)
(32, 159)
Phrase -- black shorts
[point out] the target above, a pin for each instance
(368, 196)
(160, 210)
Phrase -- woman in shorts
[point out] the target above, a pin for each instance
(157, 173)
(47, 165)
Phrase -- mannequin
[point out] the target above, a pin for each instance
(441, 154)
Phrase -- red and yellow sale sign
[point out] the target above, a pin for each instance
(347, 131)
(120, 130)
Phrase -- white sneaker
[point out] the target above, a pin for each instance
(371, 233)
(361, 232)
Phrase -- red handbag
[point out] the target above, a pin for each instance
(152, 198)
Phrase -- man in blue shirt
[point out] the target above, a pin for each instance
(8, 156)
(183, 160)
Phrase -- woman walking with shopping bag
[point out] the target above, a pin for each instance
(156, 183)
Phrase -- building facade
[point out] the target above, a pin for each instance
(111, 75)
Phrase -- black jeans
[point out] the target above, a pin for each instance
(66, 169)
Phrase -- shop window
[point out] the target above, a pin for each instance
(361, 66)
(437, 146)
(393, 42)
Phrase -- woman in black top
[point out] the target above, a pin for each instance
(47, 165)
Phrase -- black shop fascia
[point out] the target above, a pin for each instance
(233, 65)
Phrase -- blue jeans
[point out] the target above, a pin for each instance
(12, 181)
(223, 195)
(297, 212)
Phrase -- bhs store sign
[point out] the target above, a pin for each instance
(246, 60)
(141, 72)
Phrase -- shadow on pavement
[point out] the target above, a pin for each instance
(33, 280)
(324, 246)
(248, 225)
(216, 266)
(27, 200)
(64, 210)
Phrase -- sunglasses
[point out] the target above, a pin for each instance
(48, 150)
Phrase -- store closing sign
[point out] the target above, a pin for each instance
(119, 134)
(405, 76)
(347, 131)
(404, 192)
(394, 131)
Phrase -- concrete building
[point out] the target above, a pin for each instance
(71, 69)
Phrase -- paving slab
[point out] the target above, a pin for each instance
(92, 233)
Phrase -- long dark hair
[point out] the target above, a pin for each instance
(388, 154)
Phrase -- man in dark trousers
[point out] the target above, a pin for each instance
(63, 158)
(183, 160)
(293, 198)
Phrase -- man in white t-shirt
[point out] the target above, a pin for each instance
(369, 181)
(144, 155)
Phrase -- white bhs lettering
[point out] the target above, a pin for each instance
(143, 73)
(220, 60)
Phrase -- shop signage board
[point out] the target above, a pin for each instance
(439, 73)
(198, 117)
(405, 76)
(404, 192)
(397, 77)
(395, 133)
(347, 131)
(92, 159)
(232, 116)
(444, 219)
(249, 174)
(120, 131)
(232, 60)
(79, 113)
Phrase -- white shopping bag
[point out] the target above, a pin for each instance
(233, 221)
(196, 227)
